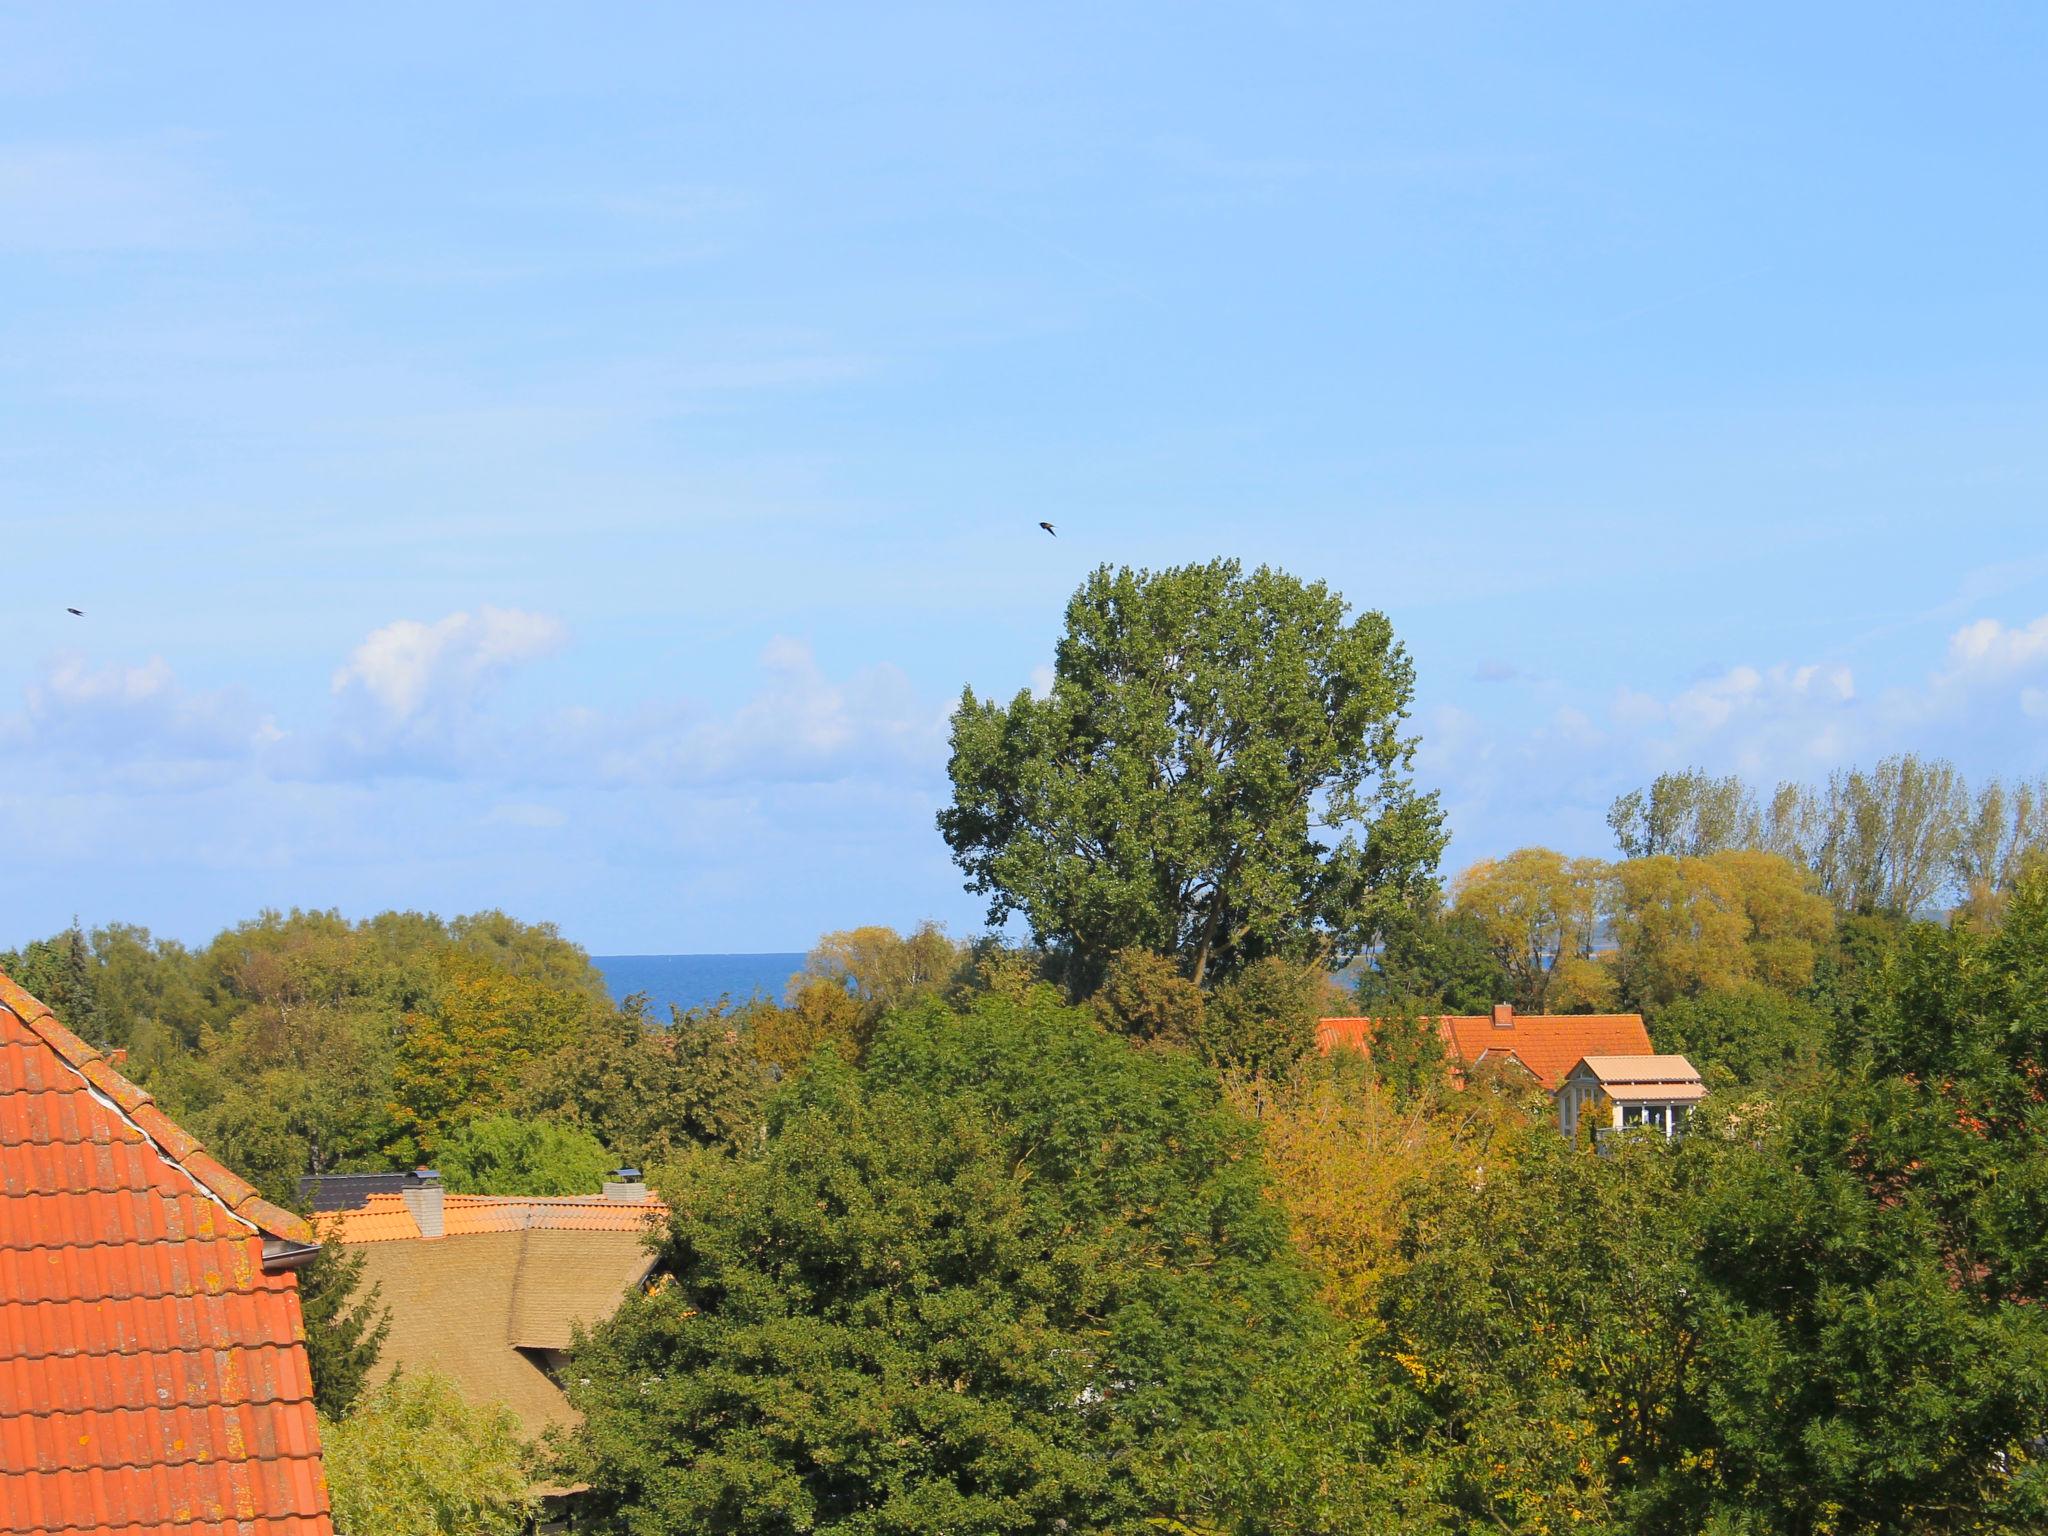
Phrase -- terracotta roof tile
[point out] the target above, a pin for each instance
(153, 1377)
(1548, 1044)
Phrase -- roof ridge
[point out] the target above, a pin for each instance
(137, 1106)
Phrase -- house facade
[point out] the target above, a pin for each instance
(1619, 1093)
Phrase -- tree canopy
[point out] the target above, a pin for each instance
(1894, 838)
(414, 1459)
(1217, 773)
(1007, 1275)
(505, 1154)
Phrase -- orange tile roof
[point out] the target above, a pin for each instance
(1548, 1044)
(153, 1377)
(387, 1218)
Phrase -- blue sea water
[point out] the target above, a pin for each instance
(691, 981)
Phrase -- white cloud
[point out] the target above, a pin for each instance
(1552, 779)
(135, 722)
(1743, 690)
(409, 670)
(1989, 647)
(799, 725)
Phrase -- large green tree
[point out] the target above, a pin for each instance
(1218, 773)
(1010, 1274)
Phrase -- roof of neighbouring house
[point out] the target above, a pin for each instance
(1662, 1078)
(387, 1218)
(1548, 1044)
(348, 1191)
(153, 1376)
(510, 1278)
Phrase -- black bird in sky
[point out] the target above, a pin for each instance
(76, 613)
(1048, 528)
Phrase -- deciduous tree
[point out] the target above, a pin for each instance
(1008, 1275)
(415, 1459)
(506, 1154)
(1538, 912)
(1217, 773)
(1686, 815)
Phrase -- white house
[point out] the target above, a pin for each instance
(1656, 1092)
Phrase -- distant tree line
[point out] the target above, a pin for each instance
(1895, 838)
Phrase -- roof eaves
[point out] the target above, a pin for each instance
(138, 1107)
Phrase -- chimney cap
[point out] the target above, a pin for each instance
(426, 1175)
(625, 1175)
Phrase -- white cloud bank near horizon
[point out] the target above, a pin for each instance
(425, 778)
(1768, 722)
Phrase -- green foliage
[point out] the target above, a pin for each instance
(1434, 960)
(304, 1043)
(465, 1054)
(1538, 912)
(1218, 774)
(1144, 997)
(651, 1093)
(60, 973)
(519, 1155)
(414, 1459)
(1686, 926)
(1750, 1034)
(1888, 839)
(1010, 1274)
(345, 1328)
(1534, 1323)
(1863, 1364)
(818, 1011)
(1818, 1312)
(1408, 1056)
(1262, 1021)
(885, 969)
(849, 981)
(1686, 815)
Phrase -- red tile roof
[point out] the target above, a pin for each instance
(1548, 1044)
(153, 1377)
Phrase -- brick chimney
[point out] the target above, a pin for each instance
(625, 1185)
(423, 1198)
(1503, 1015)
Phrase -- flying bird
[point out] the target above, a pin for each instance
(1048, 528)
(76, 613)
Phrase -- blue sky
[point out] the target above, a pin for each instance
(571, 458)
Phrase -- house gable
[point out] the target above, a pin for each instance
(153, 1373)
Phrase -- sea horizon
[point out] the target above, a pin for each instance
(698, 979)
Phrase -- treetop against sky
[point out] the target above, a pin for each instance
(573, 462)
